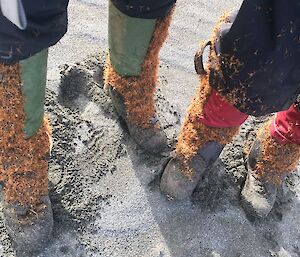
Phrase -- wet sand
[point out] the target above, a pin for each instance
(105, 190)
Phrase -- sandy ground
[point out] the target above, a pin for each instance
(104, 189)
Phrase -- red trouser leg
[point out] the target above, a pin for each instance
(286, 126)
(218, 113)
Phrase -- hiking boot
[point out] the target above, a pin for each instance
(179, 179)
(152, 139)
(258, 195)
(268, 163)
(131, 74)
(29, 230)
(25, 144)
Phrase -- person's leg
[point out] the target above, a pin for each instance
(210, 124)
(24, 152)
(242, 62)
(274, 154)
(25, 136)
(136, 35)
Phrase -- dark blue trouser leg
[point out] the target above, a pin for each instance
(47, 23)
(260, 57)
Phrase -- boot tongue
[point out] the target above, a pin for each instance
(210, 152)
(13, 10)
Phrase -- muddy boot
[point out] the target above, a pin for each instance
(131, 74)
(24, 152)
(152, 138)
(198, 146)
(258, 195)
(180, 179)
(211, 123)
(29, 229)
(268, 163)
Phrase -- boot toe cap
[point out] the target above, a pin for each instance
(257, 199)
(152, 140)
(174, 184)
(29, 235)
